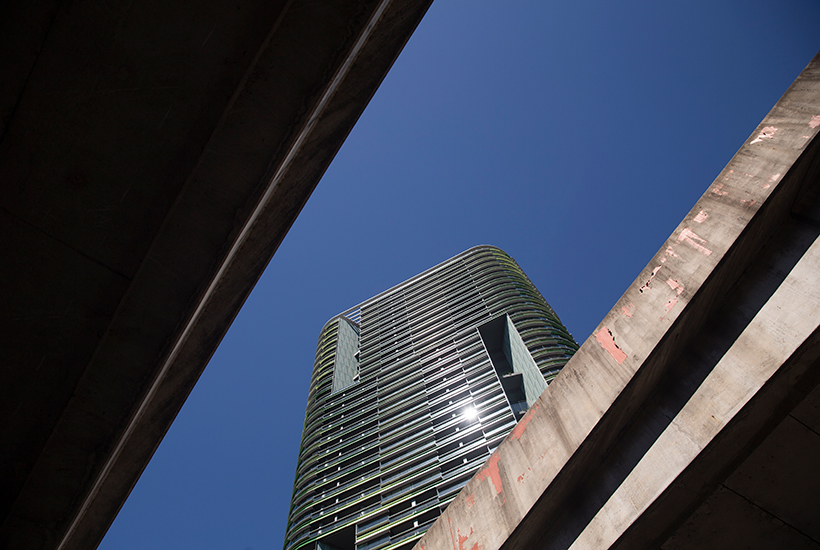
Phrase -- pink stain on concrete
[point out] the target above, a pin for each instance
(470, 500)
(518, 431)
(689, 237)
(628, 309)
(701, 217)
(766, 133)
(492, 472)
(520, 478)
(774, 178)
(678, 288)
(463, 538)
(748, 203)
(607, 341)
(651, 276)
(674, 285)
(718, 190)
(670, 252)
(815, 121)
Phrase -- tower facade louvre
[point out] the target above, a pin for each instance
(411, 392)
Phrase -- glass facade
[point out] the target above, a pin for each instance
(411, 392)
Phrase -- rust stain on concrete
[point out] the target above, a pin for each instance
(678, 288)
(628, 309)
(651, 276)
(674, 285)
(718, 190)
(607, 341)
(518, 431)
(462, 539)
(766, 133)
(520, 478)
(726, 177)
(452, 536)
(470, 500)
(689, 237)
(492, 472)
(669, 253)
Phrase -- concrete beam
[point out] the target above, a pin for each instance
(153, 157)
(703, 356)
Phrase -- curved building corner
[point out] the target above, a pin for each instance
(411, 392)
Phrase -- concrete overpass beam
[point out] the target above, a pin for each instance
(698, 361)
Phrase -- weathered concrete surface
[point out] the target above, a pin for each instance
(152, 157)
(704, 356)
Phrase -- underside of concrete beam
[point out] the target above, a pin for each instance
(153, 157)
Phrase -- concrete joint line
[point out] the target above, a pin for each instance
(787, 319)
(237, 244)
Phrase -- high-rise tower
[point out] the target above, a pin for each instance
(411, 392)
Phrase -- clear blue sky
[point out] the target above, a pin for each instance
(574, 135)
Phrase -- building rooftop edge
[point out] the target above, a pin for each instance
(441, 265)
